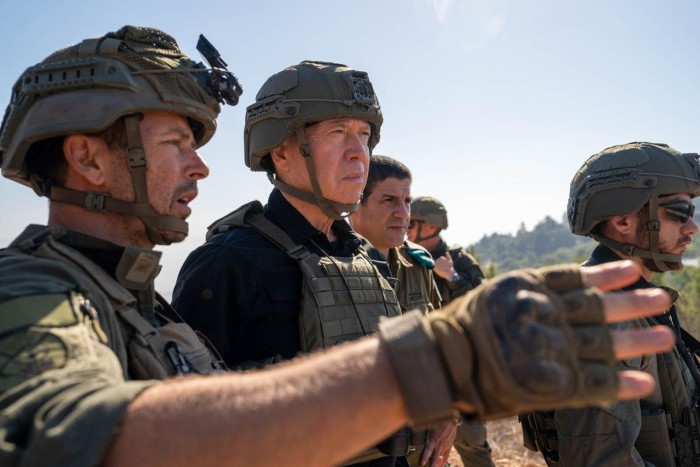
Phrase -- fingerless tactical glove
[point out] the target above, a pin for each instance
(527, 340)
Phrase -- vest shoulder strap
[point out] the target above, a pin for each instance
(251, 215)
(234, 219)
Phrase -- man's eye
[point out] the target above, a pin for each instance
(677, 217)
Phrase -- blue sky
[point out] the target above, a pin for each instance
(493, 104)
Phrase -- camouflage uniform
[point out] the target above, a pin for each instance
(82, 331)
(410, 268)
(61, 347)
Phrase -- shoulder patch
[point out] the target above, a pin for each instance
(422, 256)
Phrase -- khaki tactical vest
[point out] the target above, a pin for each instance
(343, 298)
(158, 343)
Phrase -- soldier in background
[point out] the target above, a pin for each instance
(382, 219)
(635, 200)
(292, 277)
(456, 273)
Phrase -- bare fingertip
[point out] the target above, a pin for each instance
(634, 384)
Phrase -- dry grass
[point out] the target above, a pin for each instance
(506, 440)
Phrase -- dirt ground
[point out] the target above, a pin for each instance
(506, 441)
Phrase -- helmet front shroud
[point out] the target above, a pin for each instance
(620, 181)
(296, 97)
(431, 211)
(87, 87)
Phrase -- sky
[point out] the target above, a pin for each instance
(493, 104)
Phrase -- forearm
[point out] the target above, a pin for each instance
(338, 404)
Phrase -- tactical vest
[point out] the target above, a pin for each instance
(668, 435)
(343, 298)
(157, 348)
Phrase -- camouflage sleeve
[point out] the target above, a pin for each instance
(62, 390)
(469, 271)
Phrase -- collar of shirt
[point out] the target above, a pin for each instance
(282, 213)
(602, 254)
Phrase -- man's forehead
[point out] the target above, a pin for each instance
(394, 186)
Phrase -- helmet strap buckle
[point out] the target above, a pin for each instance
(95, 201)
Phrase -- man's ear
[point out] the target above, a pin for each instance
(86, 166)
(280, 157)
(624, 225)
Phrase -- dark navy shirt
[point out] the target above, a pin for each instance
(244, 293)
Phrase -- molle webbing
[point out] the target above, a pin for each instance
(343, 298)
(349, 298)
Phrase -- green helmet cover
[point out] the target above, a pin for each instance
(429, 210)
(309, 92)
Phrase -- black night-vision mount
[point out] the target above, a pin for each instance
(222, 83)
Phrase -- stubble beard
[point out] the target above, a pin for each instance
(643, 242)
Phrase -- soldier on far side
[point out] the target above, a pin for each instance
(456, 271)
(635, 200)
(382, 219)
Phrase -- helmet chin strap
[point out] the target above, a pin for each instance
(653, 253)
(419, 238)
(140, 208)
(330, 208)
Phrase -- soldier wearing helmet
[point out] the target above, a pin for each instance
(382, 219)
(84, 338)
(456, 270)
(261, 283)
(635, 200)
(456, 273)
(108, 131)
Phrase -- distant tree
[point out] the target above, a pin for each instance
(549, 242)
(687, 283)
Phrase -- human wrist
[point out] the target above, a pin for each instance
(418, 367)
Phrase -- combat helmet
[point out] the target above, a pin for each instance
(429, 210)
(300, 95)
(87, 87)
(620, 180)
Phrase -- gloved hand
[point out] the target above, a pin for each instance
(526, 340)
